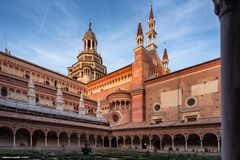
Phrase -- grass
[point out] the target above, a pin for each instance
(104, 155)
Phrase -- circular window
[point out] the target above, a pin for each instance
(191, 101)
(115, 118)
(157, 107)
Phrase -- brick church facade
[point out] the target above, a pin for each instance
(141, 106)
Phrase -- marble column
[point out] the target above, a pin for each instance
(31, 140)
(69, 141)
(132, 142)
(14, 140)
(218, 149)
(186, 146)
(96, 142)
(57, 140)
(229, 16)
(78, 141)
(45, 140)
(140, 145)
(161, 144)
(172, 144)
(117, 142)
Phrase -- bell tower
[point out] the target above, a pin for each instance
(151, 33)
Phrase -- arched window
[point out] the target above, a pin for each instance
(89, 44)
(55, 83)
(4, 91)
(27, 76)
(92, 44)
(117, 103)
(47, 83)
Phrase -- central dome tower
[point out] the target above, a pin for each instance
(89, 66)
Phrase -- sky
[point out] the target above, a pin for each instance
(49, 32)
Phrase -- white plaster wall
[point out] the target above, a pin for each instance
(204, 88)
(171, 98)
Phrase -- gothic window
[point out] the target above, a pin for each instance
(4, 91)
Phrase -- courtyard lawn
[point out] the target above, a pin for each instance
(107, 155)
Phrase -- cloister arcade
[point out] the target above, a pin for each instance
(23, 137)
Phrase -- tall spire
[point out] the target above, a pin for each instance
(165, 60)
(139, 37)
(139, 31)
(165, 54)
(59, 98)
(31, 92)
(151, 33)
(99, 110)
(81, 107)
(151, 13)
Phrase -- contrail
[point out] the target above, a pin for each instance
(44, 17)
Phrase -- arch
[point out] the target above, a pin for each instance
(210, 142)
(22, 137)
(145, 142)
(120, 142)
(136, 142)
(167, 142)
(114, 142)
(106, 141)
(99, 141)
(128, 142)
(6, 136)
(194, 143)
(179, 142)
(74, 139)
(83, 138)
(91, 140)
(52, 138)
(122, 103)
(155, 142)
(38, 138)
(63, 139)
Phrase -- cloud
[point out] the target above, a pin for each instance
(189, 27)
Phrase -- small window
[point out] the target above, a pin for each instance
(191, 102)
(158, 121)
(157, 107)
(191, 118)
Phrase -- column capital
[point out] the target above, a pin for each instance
(223, 6)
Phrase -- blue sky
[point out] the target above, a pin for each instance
(49, 32)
